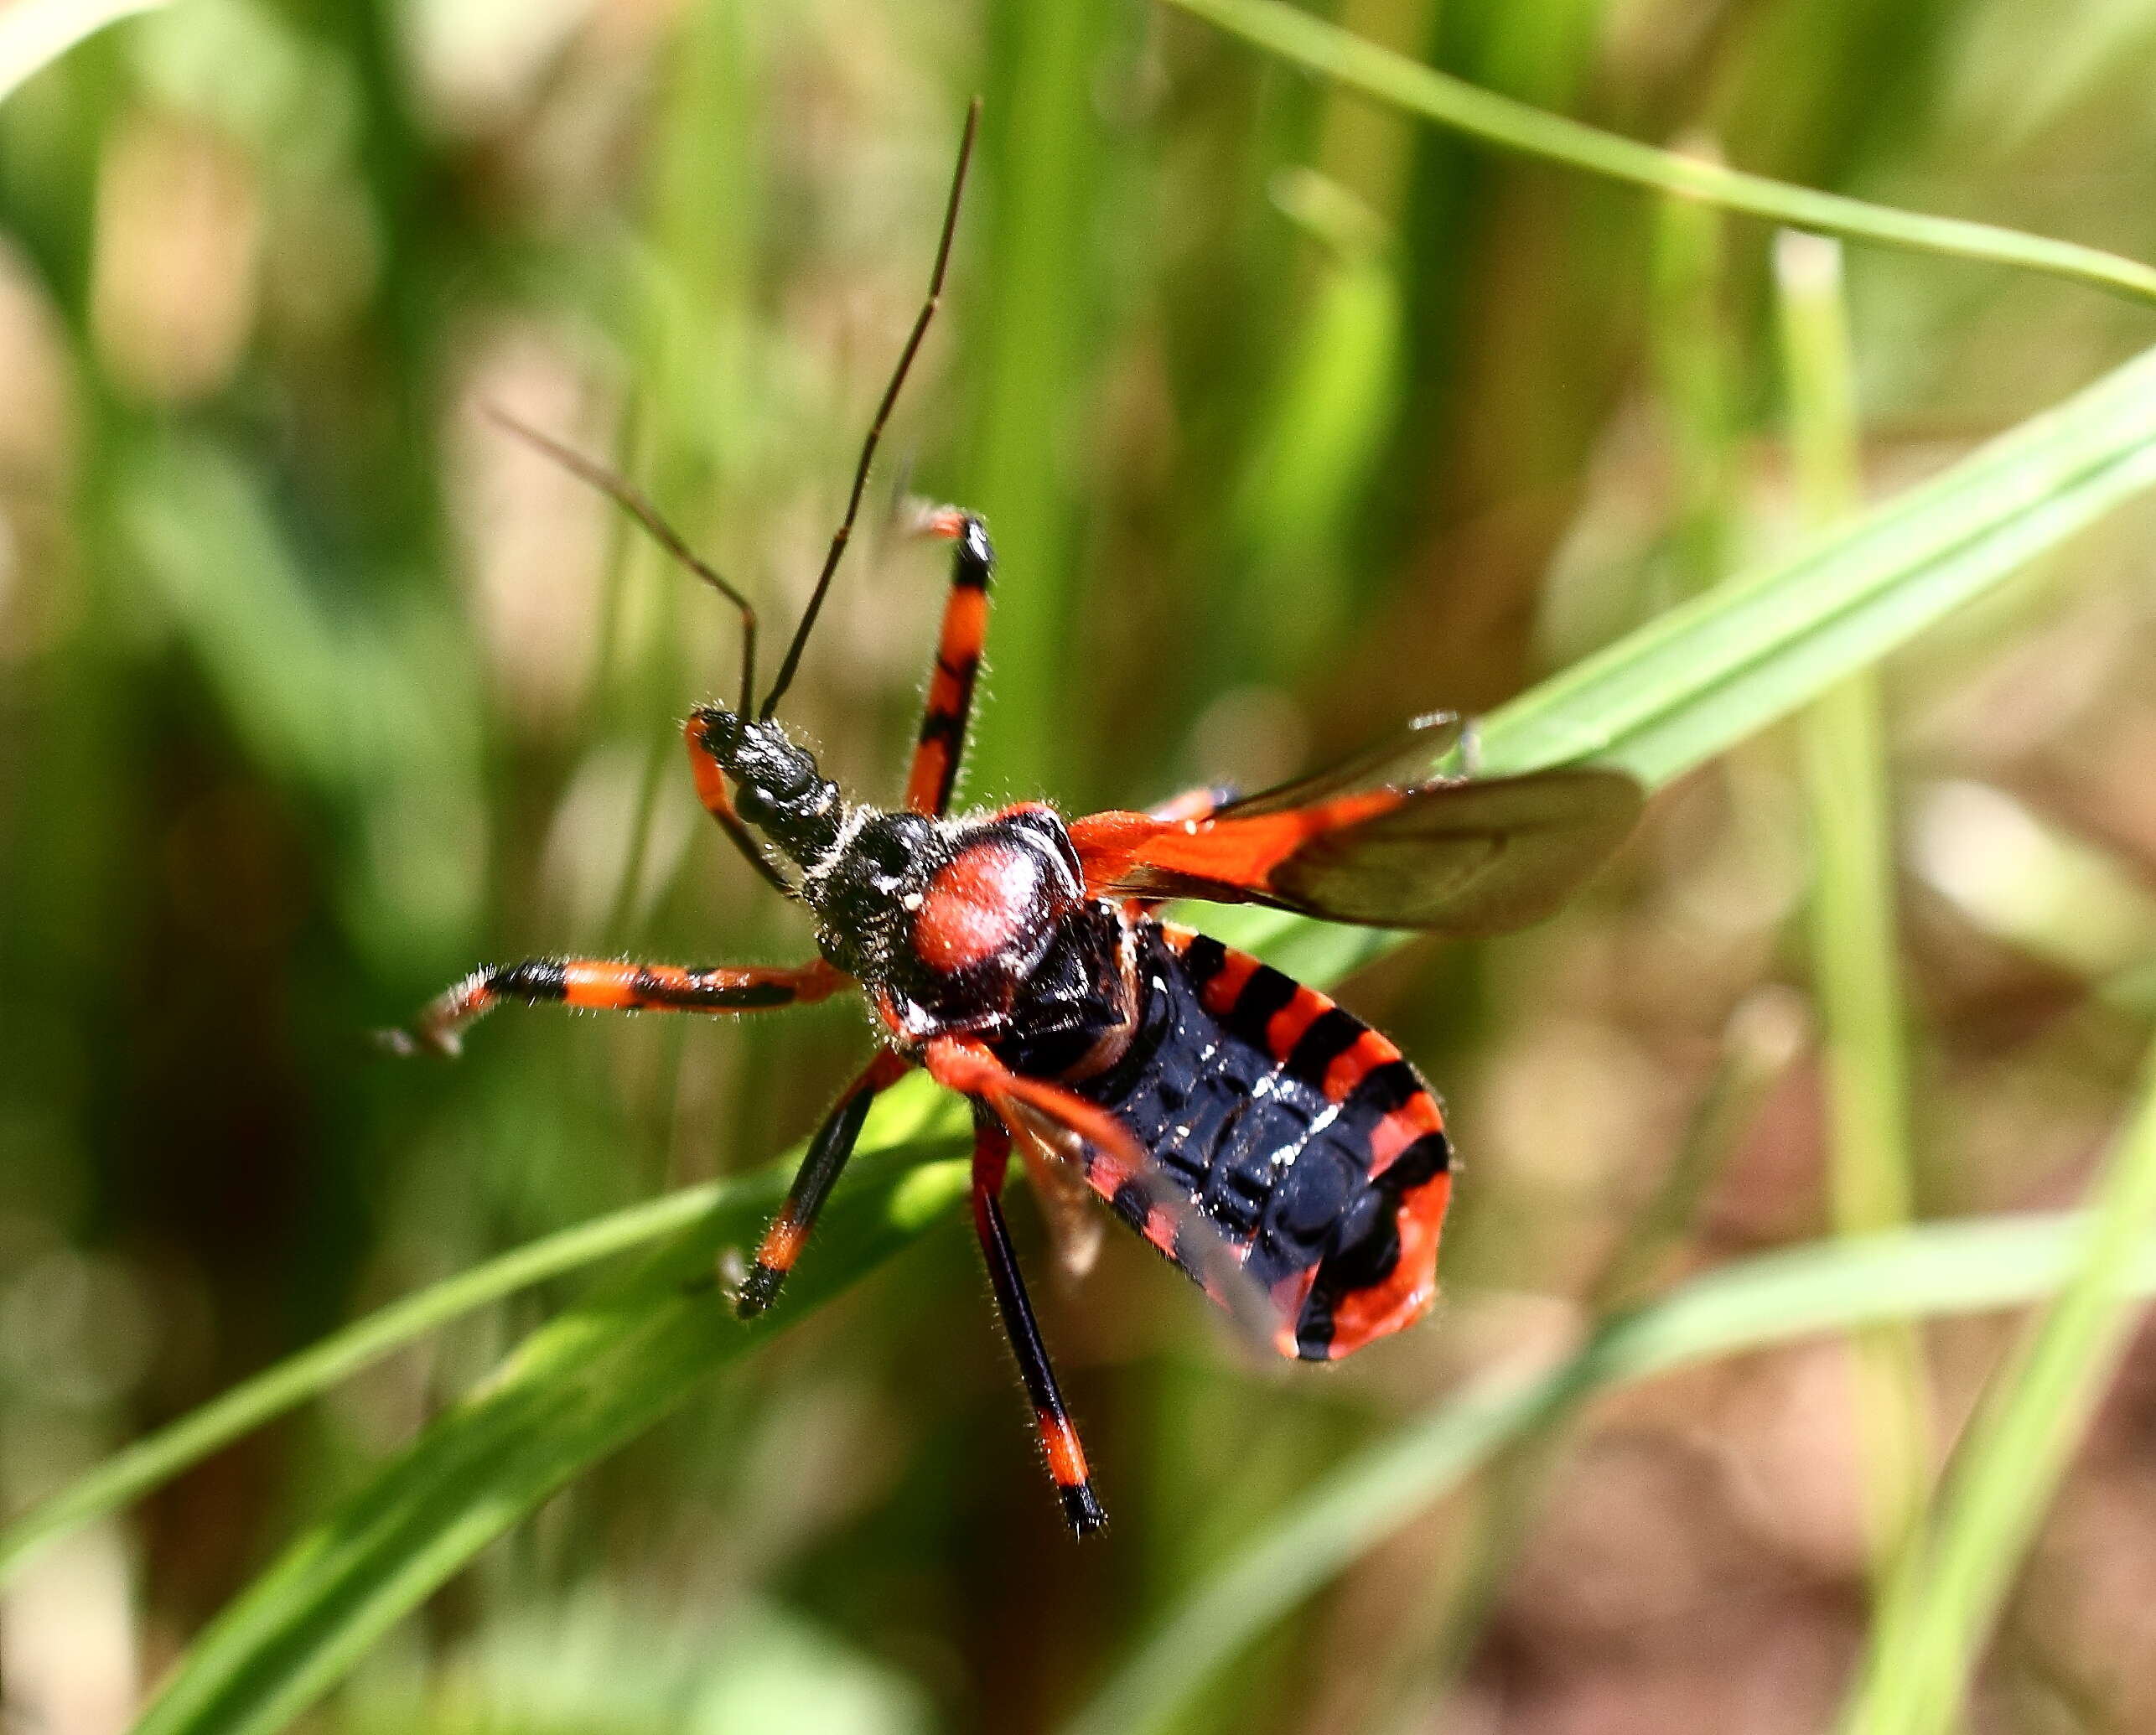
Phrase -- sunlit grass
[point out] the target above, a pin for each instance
(1855, 937)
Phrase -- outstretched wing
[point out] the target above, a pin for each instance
(1455, 856)
(1407, 758)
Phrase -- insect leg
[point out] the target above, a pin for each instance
(711, 791)
(827, 1152)
(942, 739)
(1114, 1165)
(1067, 1458)
(964, 1065)
(608, 985)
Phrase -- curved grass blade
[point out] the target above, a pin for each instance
(1661, 700)
(159, 1457)
(1326, 49)
(577, 1389)
(1854, 936)
(911, 1110)
(1702, 677)
(1941, 1269)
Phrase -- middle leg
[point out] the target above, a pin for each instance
(828, 1154)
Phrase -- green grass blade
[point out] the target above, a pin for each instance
(1326, 49)
(1697, 371)
(1855, 945)
(1937, 1270)
(1702, 677)
(1942, 1605)
(1050, 166)
(1334, 400)
(912, 1111)
(159, 1457)
(577, 1389)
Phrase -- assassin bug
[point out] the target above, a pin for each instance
(1268, 1141)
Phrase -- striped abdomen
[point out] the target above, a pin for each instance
(1298, 1132)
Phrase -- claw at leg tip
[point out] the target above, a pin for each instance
(758, 1290)
(1082, 1511)
(405, 1044)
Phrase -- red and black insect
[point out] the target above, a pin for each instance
(1269, 1143)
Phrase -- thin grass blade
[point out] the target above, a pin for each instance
(1326, 49)
(1944, 1602)
(1938, 1271)
(1697, 679)
(577, 1389)
(157, 1458)
(1855, 944)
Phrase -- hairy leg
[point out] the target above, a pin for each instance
(608, 985)
(1066, 1458)
(942, 740)
(828, 1153)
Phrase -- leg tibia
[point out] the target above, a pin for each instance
(828, 1153)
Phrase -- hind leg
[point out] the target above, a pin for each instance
(1066, 1458)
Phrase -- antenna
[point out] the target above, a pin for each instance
(786, 677)
(634, 502)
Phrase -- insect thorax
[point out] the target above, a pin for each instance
(979, 924)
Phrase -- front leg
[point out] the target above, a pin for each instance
(608, 985)
(942, 741)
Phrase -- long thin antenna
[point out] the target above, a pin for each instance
(632, 500)
(785, 678)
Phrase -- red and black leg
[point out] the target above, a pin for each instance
(718, 801)
(942, 742)
(608, 985)
(1058, 1439)
(828, 1153)
(1114, 1165)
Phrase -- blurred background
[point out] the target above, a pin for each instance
(1293, 419)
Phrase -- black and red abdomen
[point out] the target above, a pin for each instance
(1298, 1131)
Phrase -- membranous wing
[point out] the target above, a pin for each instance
(1407, 758)
(1381, 841)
